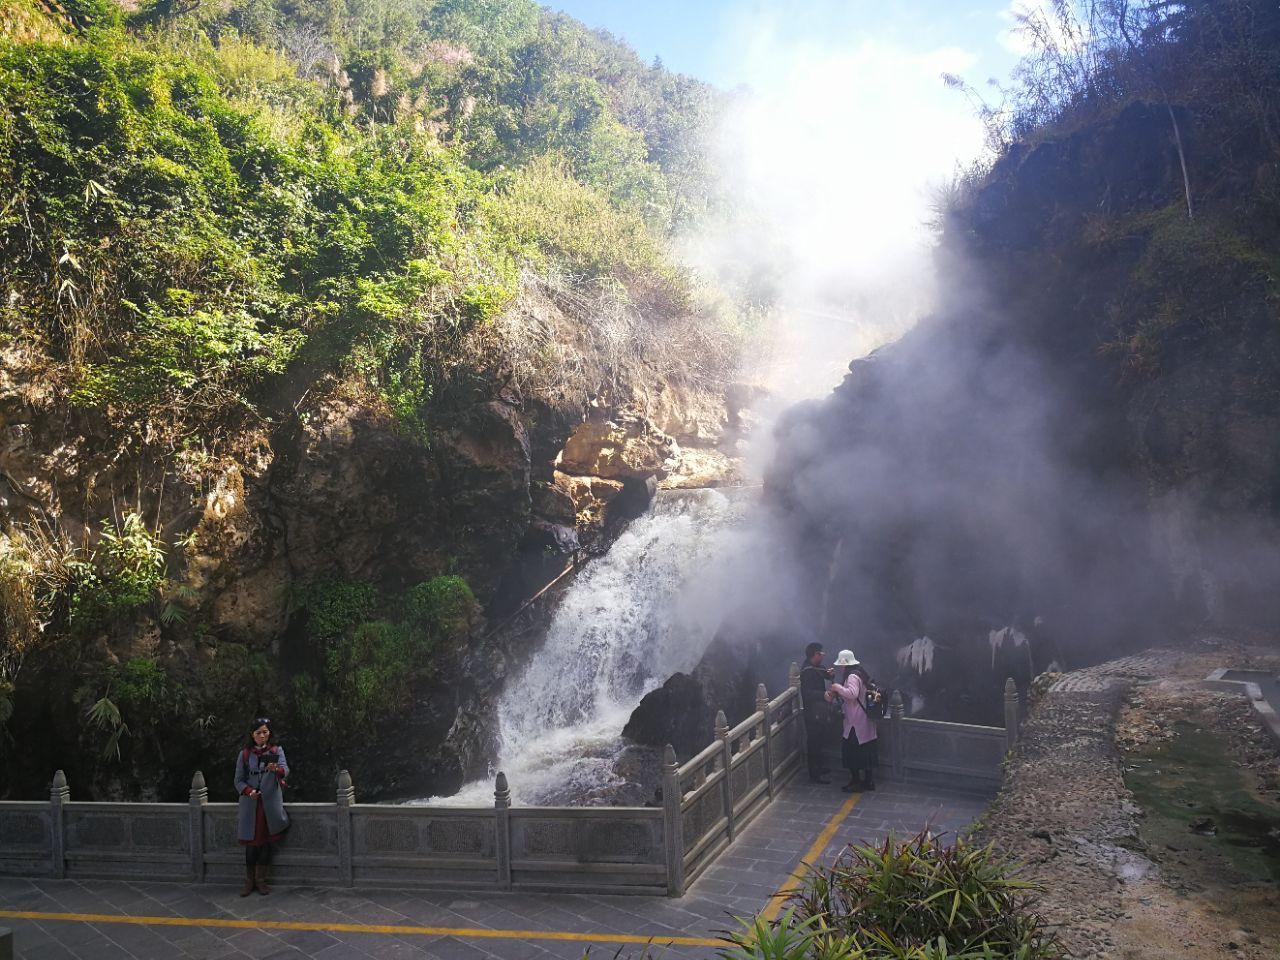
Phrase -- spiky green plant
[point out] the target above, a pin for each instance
(914, 899)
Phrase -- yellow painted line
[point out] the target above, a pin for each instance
(774, 906)
(392, 929)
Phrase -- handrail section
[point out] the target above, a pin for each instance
(707, 802)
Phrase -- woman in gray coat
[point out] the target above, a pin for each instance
(260, 772)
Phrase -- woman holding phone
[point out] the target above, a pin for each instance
(261, 769)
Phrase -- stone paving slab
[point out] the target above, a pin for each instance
(741, 883)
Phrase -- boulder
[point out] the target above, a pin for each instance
(677, 713)
(552, 502)
(589, 495)
(624, 447)
(695, 468)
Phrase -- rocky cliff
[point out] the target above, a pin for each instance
(327, 508)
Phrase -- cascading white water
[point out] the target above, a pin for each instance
(631, 618)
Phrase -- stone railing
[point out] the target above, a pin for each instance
(712, 797)
(343, 843)
(960, 754)
(707, 802)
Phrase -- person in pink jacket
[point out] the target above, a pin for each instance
(859, 751)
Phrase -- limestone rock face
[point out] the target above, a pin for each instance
(552, 501)
(511, 484)
(590, 496)
(689, 417)
(353, 496)
(627, 447)
(695, 468)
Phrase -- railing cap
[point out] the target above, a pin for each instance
(1010, 689)
(762, 695)
(669, 761)
(197, 782)
(722, 723)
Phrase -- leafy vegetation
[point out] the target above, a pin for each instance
(214, 216)
(915, 899)
(209, 200)
(118, 576)
(137, 690)
(360, 669)
(444, 607)
(1181, 99)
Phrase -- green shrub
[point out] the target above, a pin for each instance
(363, 668)
(334, 606)
(1182, 284)
(139, 684)
(121, 574)
(91, 14)
(138, 698)
(444, 607)
(916, 899)
(230, 690)
(366, 674)
(551, 215)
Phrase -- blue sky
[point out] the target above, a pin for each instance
(697, 36)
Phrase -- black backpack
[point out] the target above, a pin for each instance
(875, 701)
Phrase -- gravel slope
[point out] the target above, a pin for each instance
(1066, 813)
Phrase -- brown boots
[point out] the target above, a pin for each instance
(255, 878)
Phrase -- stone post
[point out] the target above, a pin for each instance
(897, 742)
(1010, 715)
(726, 763)
(802, 737)
(762, 707)
(673, 822)
(502, 826)
(59, 795)
(199, 796)
(346, 854)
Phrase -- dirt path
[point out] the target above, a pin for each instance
(1124, 881)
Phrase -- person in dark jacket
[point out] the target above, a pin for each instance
(261, 770)
(813, 696)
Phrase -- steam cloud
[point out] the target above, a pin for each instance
(834, 145)
(975, 476)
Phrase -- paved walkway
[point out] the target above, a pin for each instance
(112, 920)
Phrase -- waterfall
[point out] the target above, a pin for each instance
(631, 618)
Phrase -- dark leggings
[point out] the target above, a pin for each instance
(257, 856)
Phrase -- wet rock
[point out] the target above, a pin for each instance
(697, 468)
(551, 538)
(676, 713)
(1204, 826)
(552, 503)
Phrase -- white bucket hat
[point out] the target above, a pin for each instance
(846, 659)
